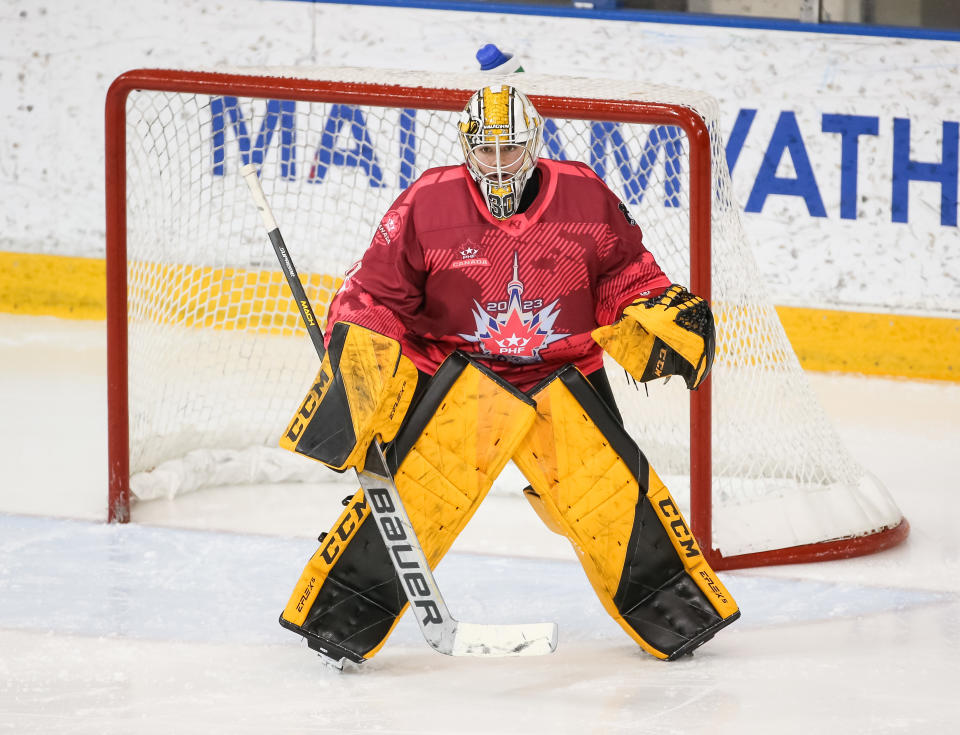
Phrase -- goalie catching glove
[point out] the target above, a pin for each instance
(671, 334)
(363, 389)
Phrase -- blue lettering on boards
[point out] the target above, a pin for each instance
(278, 111)
(906, 170)
(738, 135)
(360, 154)
(408, 147)
(635, 180)
(786, 138)
(850, 128)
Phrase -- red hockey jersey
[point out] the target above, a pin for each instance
(521, 295)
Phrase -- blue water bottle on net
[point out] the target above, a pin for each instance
(493, 60)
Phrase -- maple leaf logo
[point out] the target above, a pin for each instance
(515, 335)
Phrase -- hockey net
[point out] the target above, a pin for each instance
(208, 360)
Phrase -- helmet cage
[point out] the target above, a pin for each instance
(500, 133)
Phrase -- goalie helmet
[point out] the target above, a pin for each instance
(500, 132)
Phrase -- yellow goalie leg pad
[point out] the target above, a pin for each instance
(458, 449)
(456, 440)
(593, 483)
(332, 545)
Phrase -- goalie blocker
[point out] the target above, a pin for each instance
(363, 389)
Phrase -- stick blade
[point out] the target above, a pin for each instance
(473, 639)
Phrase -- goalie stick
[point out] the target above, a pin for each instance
(444, 633)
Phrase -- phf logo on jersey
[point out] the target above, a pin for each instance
(520, 329)
(469, 255)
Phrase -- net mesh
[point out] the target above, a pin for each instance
(218, 361)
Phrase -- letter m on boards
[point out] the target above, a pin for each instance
(226, 111)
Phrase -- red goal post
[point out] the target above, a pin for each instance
(441, 94)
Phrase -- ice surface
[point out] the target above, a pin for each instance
(169, 624)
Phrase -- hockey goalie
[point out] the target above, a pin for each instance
(472, 333)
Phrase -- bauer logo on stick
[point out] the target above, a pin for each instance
(396, 537)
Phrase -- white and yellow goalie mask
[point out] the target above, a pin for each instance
(500, 132)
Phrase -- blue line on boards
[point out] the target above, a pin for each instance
(656, 16)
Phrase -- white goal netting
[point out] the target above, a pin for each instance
(218, 362)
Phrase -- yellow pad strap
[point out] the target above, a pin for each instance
(550, 520)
